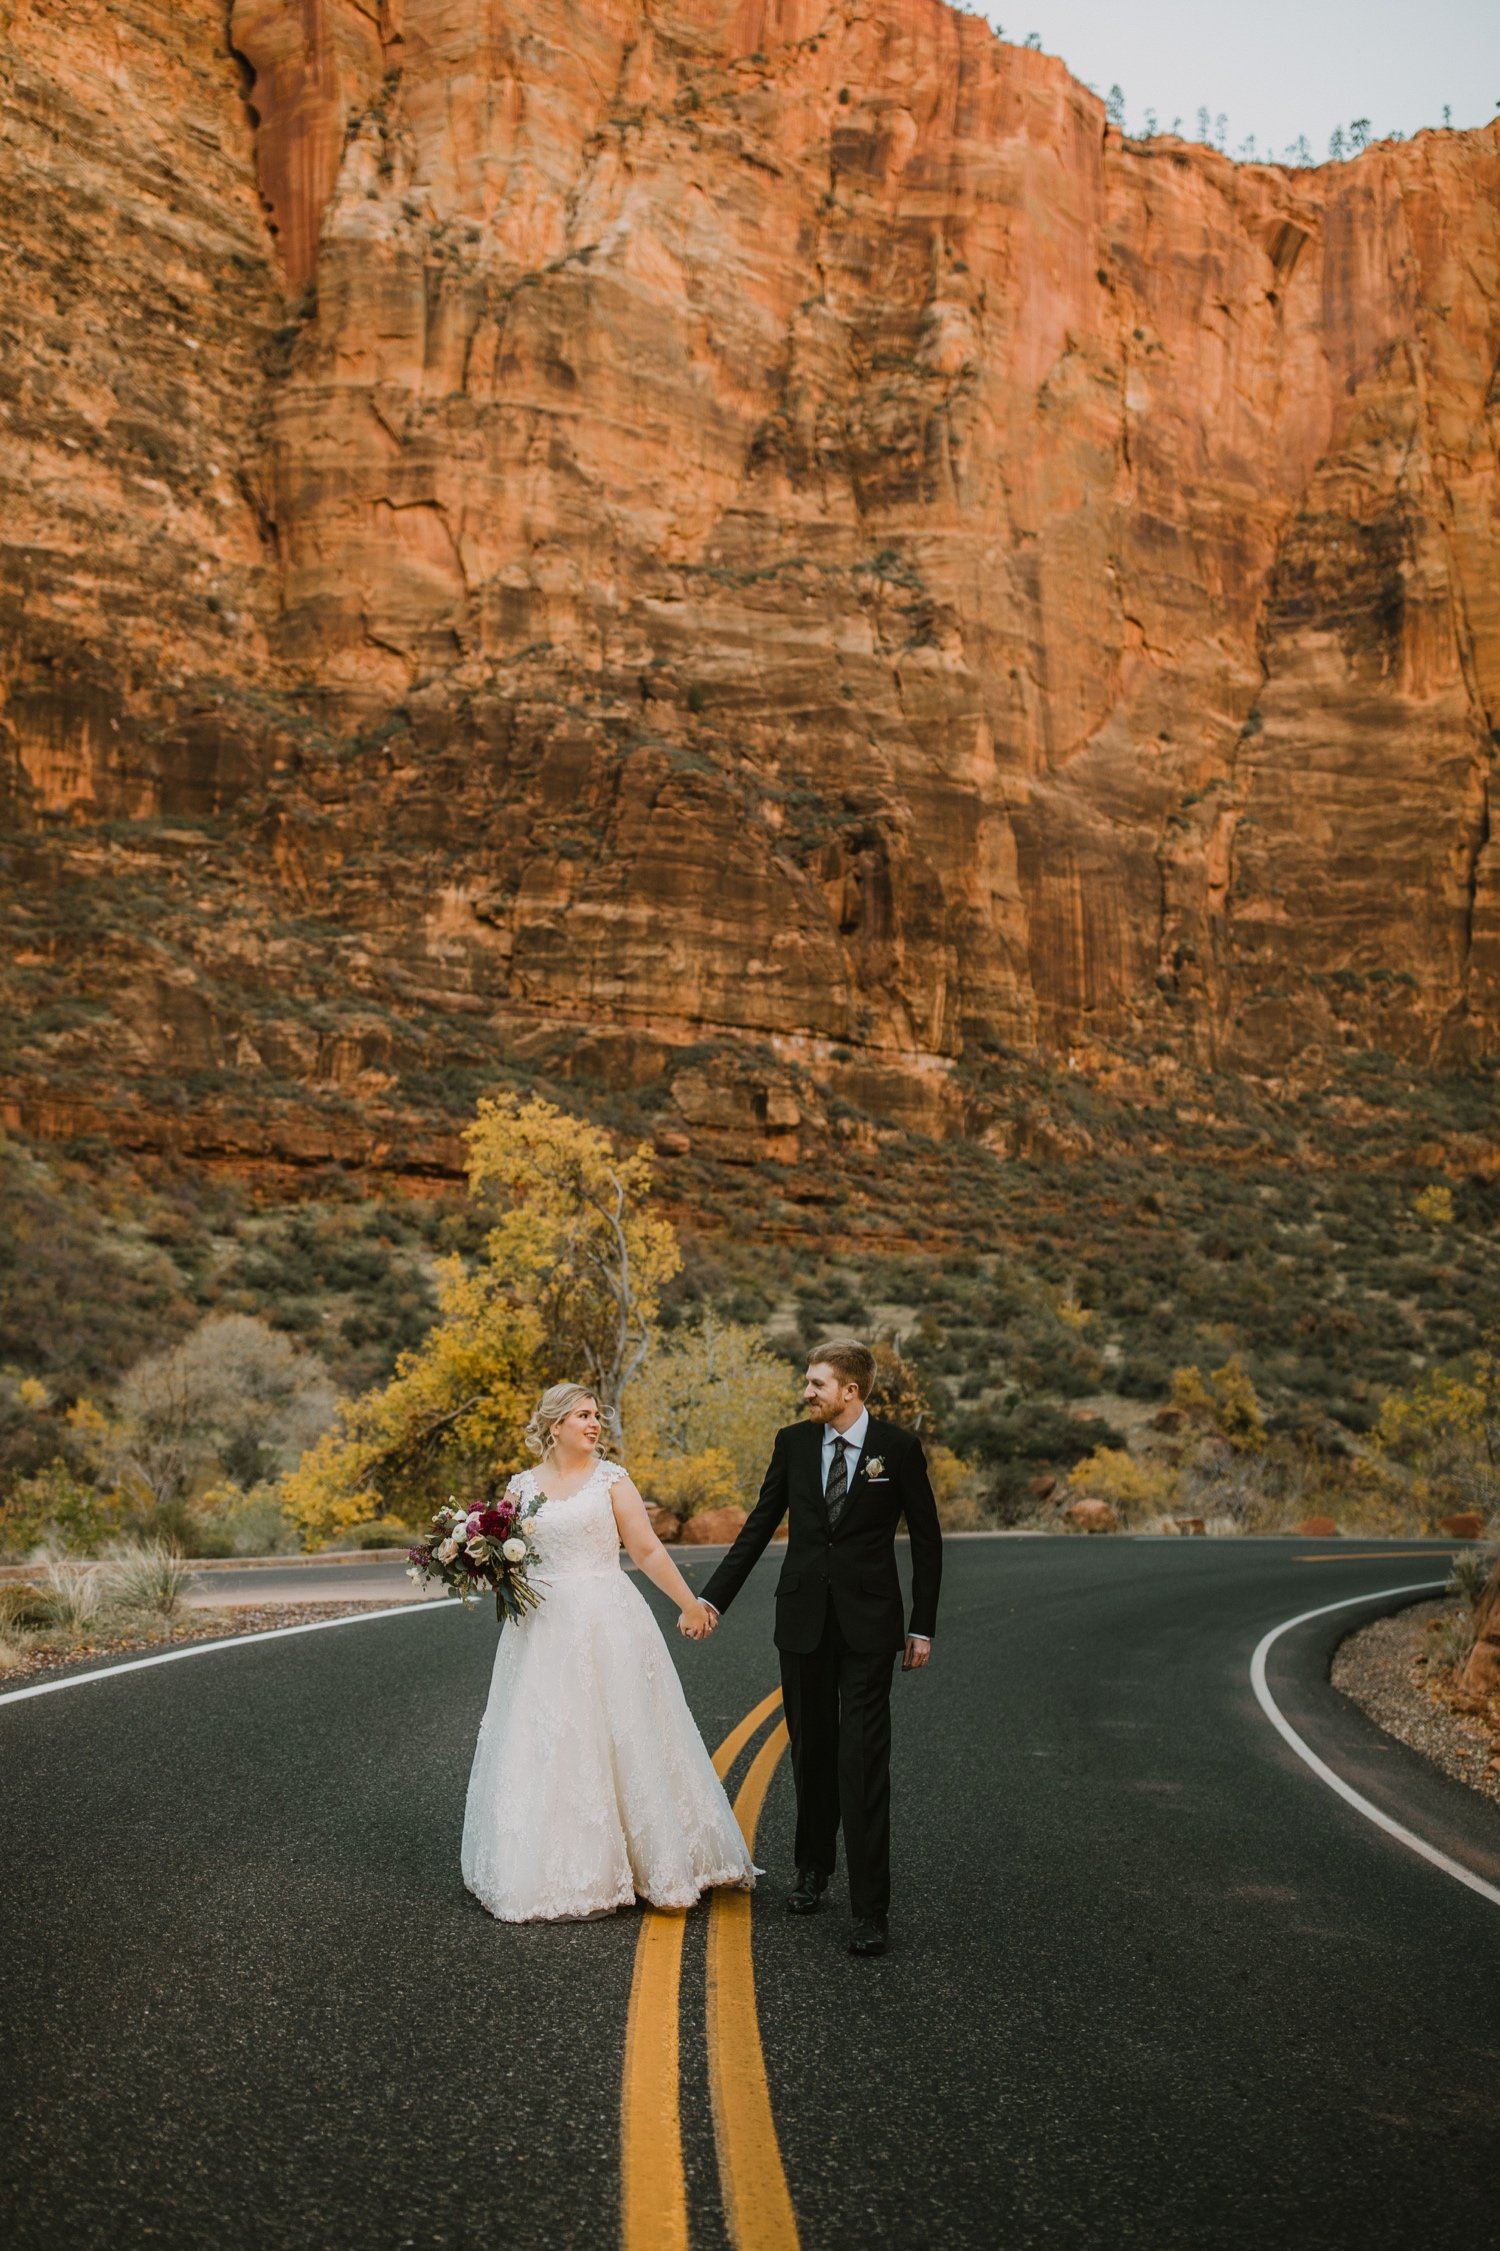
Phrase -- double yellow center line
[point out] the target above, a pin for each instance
(653, 2202)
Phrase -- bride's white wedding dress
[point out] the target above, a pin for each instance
(590, 1781)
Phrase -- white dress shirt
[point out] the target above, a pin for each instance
(853, 1439)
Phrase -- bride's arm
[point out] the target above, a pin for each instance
(647, 1554)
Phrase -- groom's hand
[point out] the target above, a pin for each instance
(916, 1653)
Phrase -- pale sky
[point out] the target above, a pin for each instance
(1277, 68)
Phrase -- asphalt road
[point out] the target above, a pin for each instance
(1152, 1982)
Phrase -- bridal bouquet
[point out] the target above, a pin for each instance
(480, 1551)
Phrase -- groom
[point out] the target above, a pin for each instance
(844, 1479)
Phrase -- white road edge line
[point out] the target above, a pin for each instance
(207, 1648)
(1309, 1757)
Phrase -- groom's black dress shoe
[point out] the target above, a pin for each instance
(806, 1895)
(869, 1936)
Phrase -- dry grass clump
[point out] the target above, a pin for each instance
(145, 1579)
(1450, 1638)
(15, 1650)
(1449, 1641)
(71, 1606)
(24, 1608)
(73, 1592)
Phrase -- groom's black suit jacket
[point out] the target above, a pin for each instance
(853, 1565)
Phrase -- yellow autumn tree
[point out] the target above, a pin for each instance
(574, 1231)
(566, 1287)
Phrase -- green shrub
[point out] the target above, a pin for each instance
(56, 1505)
(227, 1521)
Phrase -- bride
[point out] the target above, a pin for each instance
(590, 1782)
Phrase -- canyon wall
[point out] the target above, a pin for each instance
(558, 535)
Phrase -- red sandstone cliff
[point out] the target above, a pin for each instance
(728, 517)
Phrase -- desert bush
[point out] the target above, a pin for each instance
(76, 1306)
(236, 1399)
(144, 1579)
(35, 1433)
(1448, 1643)
(14, 1650)
(1023, 1441)
(959, 1488)
(702, 1415)
(1225, 1402)
(225, 1520)
(23, 1607)
(1442, 1436)
(1032, 1431)
(57, 1505)
(897, 1392)
(1236, 1490)
(1144, 1376)
(1473, 1569)
(1136, 1490)
(686, 1483)
(74, 1592)
(365, 1296)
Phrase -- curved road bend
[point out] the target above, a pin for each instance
(1153, 1982)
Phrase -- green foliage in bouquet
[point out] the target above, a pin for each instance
(486, 1550)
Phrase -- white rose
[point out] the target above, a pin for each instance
(514, 1551)
(447, 1551)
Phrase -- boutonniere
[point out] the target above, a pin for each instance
(875, 1466)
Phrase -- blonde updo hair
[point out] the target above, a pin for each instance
(556, 1403)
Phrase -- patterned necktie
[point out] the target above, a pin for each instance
(836, 1492)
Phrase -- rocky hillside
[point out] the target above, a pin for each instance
(748, 551)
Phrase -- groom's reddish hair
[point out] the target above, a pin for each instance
(851, 1361)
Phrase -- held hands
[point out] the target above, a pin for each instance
(916, 1653)
(698, 1621)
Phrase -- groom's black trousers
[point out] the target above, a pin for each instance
(837, 1702)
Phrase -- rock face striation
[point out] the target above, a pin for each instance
(587, 532)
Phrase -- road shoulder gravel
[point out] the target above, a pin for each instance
(1382, 1669)
(52, 1660)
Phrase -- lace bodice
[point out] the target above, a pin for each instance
(575, 1535)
